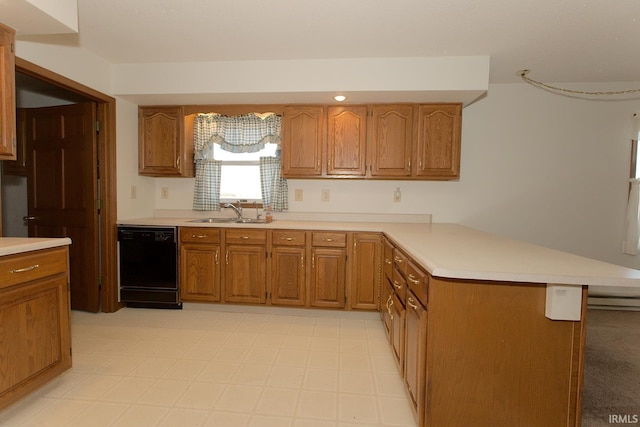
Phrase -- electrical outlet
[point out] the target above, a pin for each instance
(298, 195)
(325, 195)
(164, 193)
(397, 195)
(134, 192)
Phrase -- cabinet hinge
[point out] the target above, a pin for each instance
(97, 125)
(13, 48)
(97, 203)
(99, 281)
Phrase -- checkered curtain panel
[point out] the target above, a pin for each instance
(275, 192)
(206, 194)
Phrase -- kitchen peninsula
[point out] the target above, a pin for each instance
(34, 307)
(486, 330)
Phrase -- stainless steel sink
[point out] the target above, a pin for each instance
(230, 220)
(214, 220)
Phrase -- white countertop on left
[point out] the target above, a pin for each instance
(16, 245)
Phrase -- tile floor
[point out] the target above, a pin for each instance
(213, 365)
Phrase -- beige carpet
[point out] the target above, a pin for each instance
(612, 369)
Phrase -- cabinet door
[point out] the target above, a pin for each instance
(391, 143)
(346, 140)
(415, 354)
(328, 277)
(200, 272)
(386, 295)
(288, 284)
(366, 271)
(161, 143)
(302, 141)
(246, 274)
(398, 314)
(7, 94)
(438, 141)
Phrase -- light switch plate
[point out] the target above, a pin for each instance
(325, 195)
(298, 195)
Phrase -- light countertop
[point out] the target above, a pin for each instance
(16, 245)
(455, 251)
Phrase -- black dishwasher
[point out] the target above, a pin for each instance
(148, 272)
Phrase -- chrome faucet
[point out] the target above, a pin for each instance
(237, 209)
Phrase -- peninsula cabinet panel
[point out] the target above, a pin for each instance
(328, 277)
(246, 274)
(7, 94)
(302, 141)
(163, 149)
(438, 141)
(346, 140)
(475, 353)
(200, 272)
(366, 271)
(391, 144)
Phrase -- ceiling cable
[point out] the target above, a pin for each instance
(572, 93)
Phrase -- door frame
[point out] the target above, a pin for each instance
(106, 115)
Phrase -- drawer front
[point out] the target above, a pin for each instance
(199, 235)
(400, 261)
(337, 240)
(399, 284)
(288, 238)
(21, 268)
(418, 281)
(246, 236)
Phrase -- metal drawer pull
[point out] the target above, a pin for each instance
(412, 303)
(244, 237)
(413, 280)
(397, 259)
(397, 285)
(387, 261)
(288, 239)
(198, 236)
(24, 270)
(328, 240)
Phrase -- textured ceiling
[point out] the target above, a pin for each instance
(560, 41)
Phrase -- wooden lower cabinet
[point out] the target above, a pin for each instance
(415, 350)
(288, 276)
(328, 277)
(366, 271)
(246, 274)
(200, 272)
(34, 308)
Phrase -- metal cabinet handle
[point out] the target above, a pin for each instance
(397, 259)
(387, 261)
(389, 305)
(198, 236)
(413, 279)
(245, 237)
(328, 240)
(24, 270)
(397, 285)
(288, 239)
(411, 303)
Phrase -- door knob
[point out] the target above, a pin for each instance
(28, 218)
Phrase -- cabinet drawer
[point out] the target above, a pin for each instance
(338, 240)
(399, 284)
(400, 261)
(199, 235)
(418, 281)
(257, 237)
(288, 238)
(24, 267)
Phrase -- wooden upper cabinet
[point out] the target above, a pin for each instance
(302, 141)
(163, 147)
(391, 140)
(7, 94)
(438, 141)
(346, 140)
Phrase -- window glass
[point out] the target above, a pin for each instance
(240, 176)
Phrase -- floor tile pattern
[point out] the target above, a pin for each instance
(214, 365)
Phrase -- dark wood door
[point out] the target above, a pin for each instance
(62, 190)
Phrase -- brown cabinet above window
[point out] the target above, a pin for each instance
(384, 141)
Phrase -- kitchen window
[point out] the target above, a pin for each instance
(237, 157)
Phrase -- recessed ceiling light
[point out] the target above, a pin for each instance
(339, 98)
